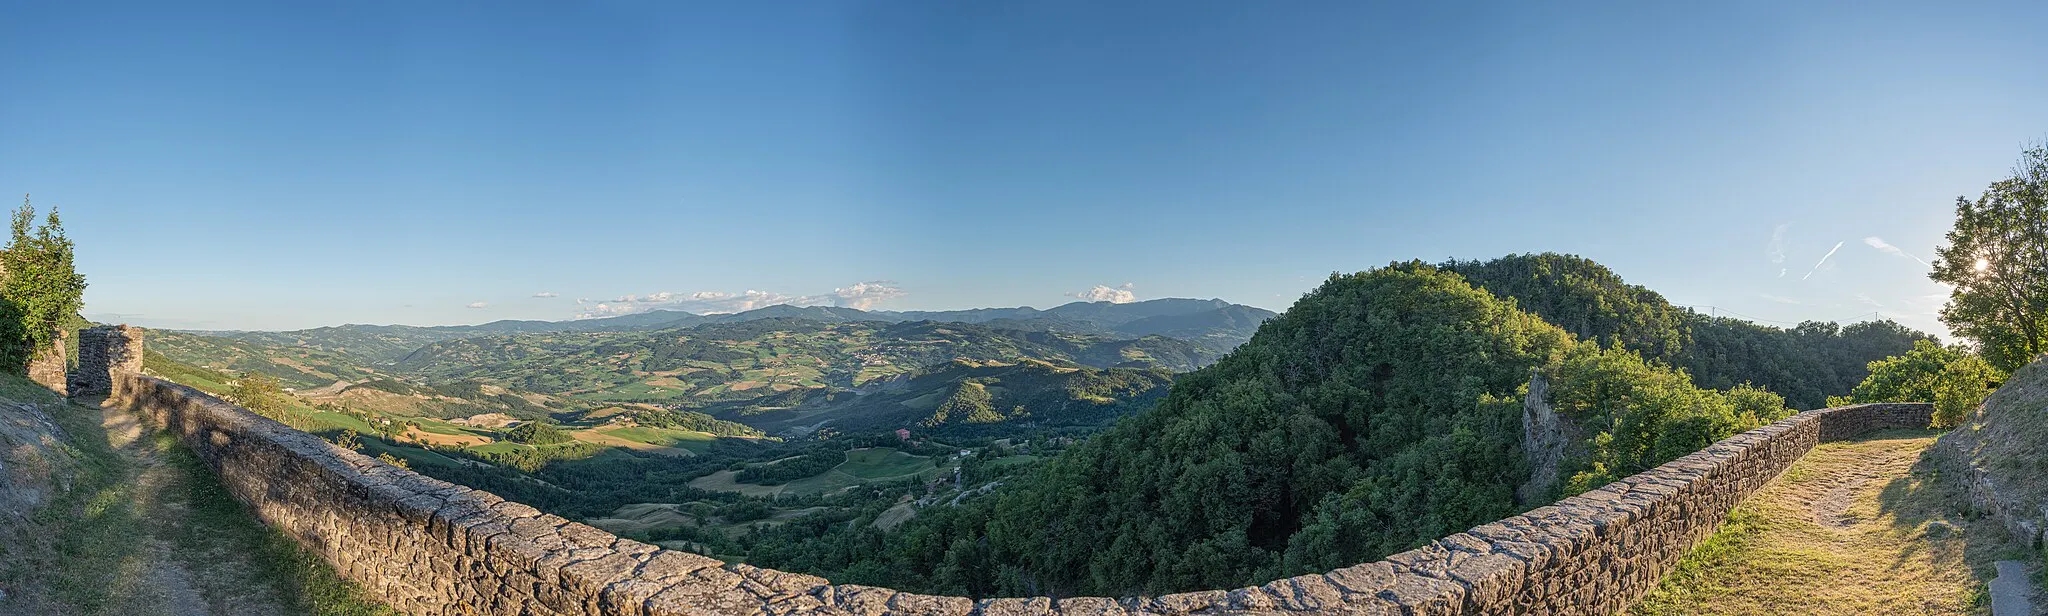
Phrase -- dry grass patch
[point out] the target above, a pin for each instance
(417, 435)
(603, 438)
(1868, 526)
(644, 517)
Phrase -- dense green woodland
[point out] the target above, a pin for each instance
(1380, 412)
(1804, 364)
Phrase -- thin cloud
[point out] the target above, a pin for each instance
(1120, 294)
(1777, 248)
(1880, 244)
(1781, 299)
(547, 294)
(478, 305)
(859, 296)
(1823, 260)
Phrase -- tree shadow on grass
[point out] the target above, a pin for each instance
(1931, 505)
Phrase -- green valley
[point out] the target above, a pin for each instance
(1381, 411)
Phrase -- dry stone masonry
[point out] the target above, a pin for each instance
(104, 352)
(49, 368)
(433, 548)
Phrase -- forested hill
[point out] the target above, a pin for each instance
(1806, 364)
(1380, 412)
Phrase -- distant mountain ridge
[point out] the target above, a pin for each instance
(1213, 324)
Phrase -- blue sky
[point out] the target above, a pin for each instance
(280, 165)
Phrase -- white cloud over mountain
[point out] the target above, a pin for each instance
(863, 295)
(1120, 294)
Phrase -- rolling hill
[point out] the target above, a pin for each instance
(779, 368)
(1215, 324)
(768, 359)
(1015, 398)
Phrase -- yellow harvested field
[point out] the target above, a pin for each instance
(416, 435)
(593, 436)
(486, 420)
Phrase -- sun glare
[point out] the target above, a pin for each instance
(1983, 264)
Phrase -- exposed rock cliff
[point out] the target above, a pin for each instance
(1544, 437)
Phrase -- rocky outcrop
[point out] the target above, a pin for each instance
(1544, 436)
(434, 548)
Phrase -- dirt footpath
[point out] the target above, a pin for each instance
(1868, 526)
(144, 530)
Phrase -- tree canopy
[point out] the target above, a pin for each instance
(1952, 378)
(537, 433)
(260, 393)
(1997, 259)
(40, 290)
(1805, 364)
(1586, 299)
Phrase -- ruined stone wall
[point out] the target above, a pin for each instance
(103, 352)
(433, 548)
(50, 368)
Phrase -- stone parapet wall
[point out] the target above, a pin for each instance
(430, 547)
(433, 548)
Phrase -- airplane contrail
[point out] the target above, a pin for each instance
(1823, 260)
(1880, 244)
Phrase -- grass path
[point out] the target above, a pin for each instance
(147, 530)
(1868, 526)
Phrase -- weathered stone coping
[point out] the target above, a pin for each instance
(430, 547)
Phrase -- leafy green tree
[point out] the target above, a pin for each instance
(387, 458)
(1997, 259)
(1952, 378)
(260, 393)
(537, 433)
(1641, 415)
(41, 287)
